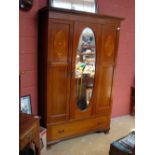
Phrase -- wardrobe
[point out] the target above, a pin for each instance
(76, 60)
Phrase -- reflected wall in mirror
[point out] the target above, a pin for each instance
(85, 68)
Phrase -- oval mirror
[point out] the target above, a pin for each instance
(85, 68)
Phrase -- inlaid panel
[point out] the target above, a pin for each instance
(108, 44)
(58, 42)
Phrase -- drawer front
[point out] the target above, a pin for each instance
(62, 131)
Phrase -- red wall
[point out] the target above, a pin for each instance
(124, 73)
(28, 52)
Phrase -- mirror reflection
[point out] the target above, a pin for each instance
(85, 68)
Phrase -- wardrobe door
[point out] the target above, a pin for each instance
(105, 66)
(58, 81)
(84, 58)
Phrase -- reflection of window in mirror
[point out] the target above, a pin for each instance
(81, 5)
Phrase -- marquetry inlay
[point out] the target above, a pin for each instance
(60, 43)
(109, 45)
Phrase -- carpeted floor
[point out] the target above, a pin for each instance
(95, 143)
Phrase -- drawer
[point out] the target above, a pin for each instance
(62, 131)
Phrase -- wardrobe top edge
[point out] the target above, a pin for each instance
(75, 12)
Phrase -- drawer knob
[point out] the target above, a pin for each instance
(99, 123)
(61, 131)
